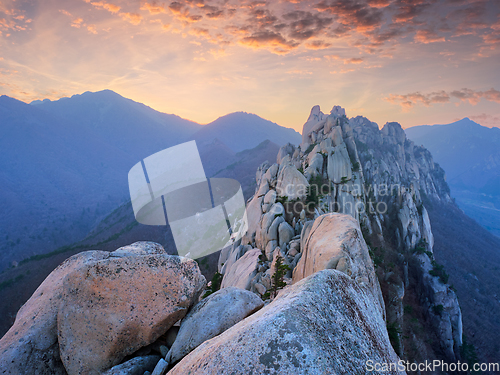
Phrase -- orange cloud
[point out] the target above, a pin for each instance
(270, 40)
(92, 29)
(318, 44)
(354, 60)
(346, 61)
(154, 8)
(409, 100)
(133, 18)
(197, 31)
(428, 36)
(181, 12)
(487, 120)
(473, 97)
(108, 6)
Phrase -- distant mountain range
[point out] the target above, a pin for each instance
(120, 228)
(241, 131)
(470, 155)
(64, 163)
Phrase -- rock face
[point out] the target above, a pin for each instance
(110, 308)
(30, 346)
(242, 271)
(379, 178)
(212, 316)
(291, 183)
(335, 241)
(324, 324)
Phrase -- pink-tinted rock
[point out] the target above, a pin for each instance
(113, 307)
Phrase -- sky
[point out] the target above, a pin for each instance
(411, 61)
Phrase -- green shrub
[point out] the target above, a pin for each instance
(214, 285)
(310, 148)
(277, 281)
(438, 309)
(394, 330)
(438, 271)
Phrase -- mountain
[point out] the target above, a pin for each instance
(356, 225)
(51, 172)
(241, 130)
(471, 256)
(120, 228)
(358, 287)
(64, 163)
(470, 155)
(130, 126)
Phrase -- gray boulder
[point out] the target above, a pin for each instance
(135, 366)
(324, 324)
(285, 234)
(335, 241)
(212, 316)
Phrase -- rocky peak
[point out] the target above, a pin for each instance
(378, 178)
(337, 236)
(395, 131)
(316, 114)
(337, 111)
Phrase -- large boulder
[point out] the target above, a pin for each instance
(268, 225)
(212, 316)
(324, 324)
(285, 234)
(241, 273)
(291, 183)
(112, 307)
(235, 253)
(30, 346)
(335, 241)
(252, 218)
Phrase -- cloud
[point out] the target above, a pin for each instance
(300, 72)
(305, 25)
(464, 95)
(428, 36)
(91, 29)
(108, 6)
(473, 97)
(409, 10)
(353, 13)
(76, 22)
(346, 61)
(198, 31)
(486, 119)
(133, 18)
(153, 8)
(181, 12)
(268, 39)
(12, 19)
(318, 44)
(354, 60)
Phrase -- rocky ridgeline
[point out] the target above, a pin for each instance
(299, 291)
(378, 180)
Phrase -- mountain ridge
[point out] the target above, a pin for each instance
(77, 152)
(470, 156)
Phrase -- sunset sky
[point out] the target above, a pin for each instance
(412, 61)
